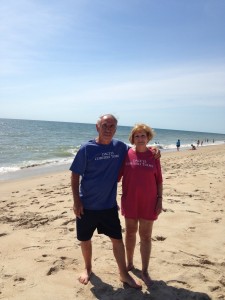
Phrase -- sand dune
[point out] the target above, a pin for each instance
(41, 258)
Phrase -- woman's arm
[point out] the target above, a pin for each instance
(159, 198)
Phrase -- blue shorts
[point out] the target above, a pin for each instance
(105, 221)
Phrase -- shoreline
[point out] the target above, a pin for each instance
(31, 172)
(42, 170)
(41, 257)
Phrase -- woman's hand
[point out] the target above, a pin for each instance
(159, 208)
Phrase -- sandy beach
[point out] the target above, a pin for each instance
(41, 258)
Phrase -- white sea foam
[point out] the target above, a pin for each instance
(4, 170)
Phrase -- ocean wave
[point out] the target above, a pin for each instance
(4, 170)
(34, 164)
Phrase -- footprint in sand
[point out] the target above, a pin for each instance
(67, 222)
(43, 258)
(193, 212)
(18, 278)
(222, 280)
(214, 288)
(61, 264)
(200, 263)
(168, 210)
(3, 234)
(205, 261)
(192, 229)
(159, 238)
(217, 220)
(178, 281)
(52, 270)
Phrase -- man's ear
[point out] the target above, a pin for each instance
(97, 127)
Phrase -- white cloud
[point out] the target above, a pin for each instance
(169, 88)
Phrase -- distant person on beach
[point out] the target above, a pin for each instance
(95, 171)
(178, 145)
(141, 200)
(193, 147)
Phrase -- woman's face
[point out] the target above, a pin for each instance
(140, 138)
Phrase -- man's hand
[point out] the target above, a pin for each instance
(78, 209)
(156, 152)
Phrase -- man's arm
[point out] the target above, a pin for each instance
(77, 205)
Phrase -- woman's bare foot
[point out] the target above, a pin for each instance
(85, 277)
(130, 267)
(130, 281)
(147, 279)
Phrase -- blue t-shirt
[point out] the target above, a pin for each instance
(99, 167)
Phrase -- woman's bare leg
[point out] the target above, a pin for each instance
(130, 241)
(119, 253)
(145, 232)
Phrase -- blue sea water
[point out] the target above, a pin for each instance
(44, 145)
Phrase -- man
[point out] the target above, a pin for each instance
(94, 185)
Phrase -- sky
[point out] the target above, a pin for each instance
(160, 62)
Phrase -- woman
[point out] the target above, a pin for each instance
(141, 200)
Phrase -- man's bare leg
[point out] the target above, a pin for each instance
(119, 253)
(130, 241)
(86, 248)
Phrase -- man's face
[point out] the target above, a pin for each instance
(106, 129)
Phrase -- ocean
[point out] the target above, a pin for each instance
(34, 147)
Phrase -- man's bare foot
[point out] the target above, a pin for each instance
(147, 279)
(130, 281)
(85, 277)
